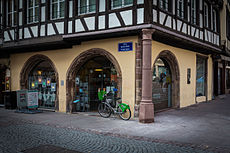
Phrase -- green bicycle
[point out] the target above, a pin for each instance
(105, 109)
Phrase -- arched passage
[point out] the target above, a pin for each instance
(39, 73)
(166, 81)
(81, 61)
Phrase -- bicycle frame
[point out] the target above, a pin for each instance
(122, 106)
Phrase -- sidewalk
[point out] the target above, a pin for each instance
(204, 124)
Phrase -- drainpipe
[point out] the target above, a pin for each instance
(146, 113)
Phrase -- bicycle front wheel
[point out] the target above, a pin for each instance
(126, 115)
(104, 110)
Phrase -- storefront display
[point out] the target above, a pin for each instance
(42, 79)
(200, 76)
(96, 74)
(161, 85)
(228, 75)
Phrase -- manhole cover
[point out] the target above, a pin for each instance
(49, 149)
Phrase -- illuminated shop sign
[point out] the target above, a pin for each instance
(53, 86)
(48, 81)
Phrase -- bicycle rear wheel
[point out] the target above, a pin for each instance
(126, 115)
(104, 110)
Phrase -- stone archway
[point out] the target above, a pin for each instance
(76, 65)
(31, 63)
(170, 58)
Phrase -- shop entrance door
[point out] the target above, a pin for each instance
(161, 85)
(94, 76)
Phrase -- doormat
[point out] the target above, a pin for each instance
(48, 149)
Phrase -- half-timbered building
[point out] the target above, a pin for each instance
(158, 54)
(222, 62)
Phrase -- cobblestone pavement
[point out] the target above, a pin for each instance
(200, 128)
(20, 137)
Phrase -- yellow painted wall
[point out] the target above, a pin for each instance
(63, 58)
(186, 59)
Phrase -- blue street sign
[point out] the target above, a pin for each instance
(127, 46)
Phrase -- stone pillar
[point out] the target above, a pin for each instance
(146, 113)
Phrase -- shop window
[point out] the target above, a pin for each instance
(121, 3)
(95, 77)
(86, 6)
(43, 79)
(32, 11)
(200, 76)
(180, 8)
(11, 13)
(57, 9)
(228, 77)
(162, 85)
(193, 12)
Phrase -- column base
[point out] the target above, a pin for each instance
(146, 112)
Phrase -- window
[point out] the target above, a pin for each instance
(214, 20)
(121, 3)
(228, 76)
(11, 13)
(228, 24)
(86, 6)
(164, 5)
(57, 9)
(180, 8)
(193, 11)
(33, 11)
(0, 15)
(200, 76)
(205, 15)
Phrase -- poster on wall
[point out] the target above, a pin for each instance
(53, 87)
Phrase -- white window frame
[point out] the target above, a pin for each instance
(180, 11)
(58, 9)
(122, 4)
(162, 2)
(87, 8)
(34, 12)
(193, 12)
(11, 13)
(214, 20)
(206, 15)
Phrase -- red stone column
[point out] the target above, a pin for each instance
(146, 113)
